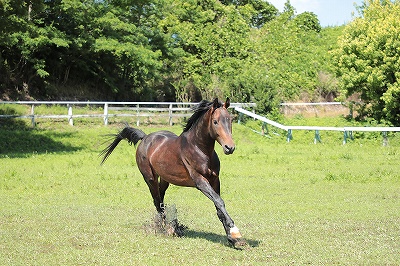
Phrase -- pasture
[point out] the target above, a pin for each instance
(295, 203)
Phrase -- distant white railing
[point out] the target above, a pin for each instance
(113, 109)
(347, 131)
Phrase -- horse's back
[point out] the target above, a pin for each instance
(155, 141)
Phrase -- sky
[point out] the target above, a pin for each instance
(329, 12)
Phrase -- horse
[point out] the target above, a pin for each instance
(189, 159)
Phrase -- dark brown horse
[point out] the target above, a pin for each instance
(186, 160)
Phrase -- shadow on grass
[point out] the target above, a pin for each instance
(17, 140)
(216, 238)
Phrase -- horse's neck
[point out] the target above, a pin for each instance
(200, 136)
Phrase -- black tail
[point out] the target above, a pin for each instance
(133, 135)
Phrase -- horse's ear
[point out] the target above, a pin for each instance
(216, 103)
(227, 102)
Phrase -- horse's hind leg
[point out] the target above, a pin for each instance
(162, 188)
(151, 179)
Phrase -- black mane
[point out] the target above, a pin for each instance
(199, 110)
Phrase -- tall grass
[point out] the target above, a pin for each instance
(295, 203)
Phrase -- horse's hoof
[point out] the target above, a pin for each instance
(235, 238)
(239, 243)
(235, 233)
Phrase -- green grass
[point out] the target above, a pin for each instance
(295, 203)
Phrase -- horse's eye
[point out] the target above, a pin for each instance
(215, 122)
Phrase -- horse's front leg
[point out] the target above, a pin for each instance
(231, 230)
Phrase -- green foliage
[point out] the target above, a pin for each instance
(163, 50)
(367, 60)
(292, 54)
(214, 39)
(308, 21)
(133, 65)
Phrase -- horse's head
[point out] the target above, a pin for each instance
(221, 125)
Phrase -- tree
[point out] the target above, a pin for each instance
(213, 41)
(110, 48)
(24, 41)
(161, 50)
(368, 60)
(308, 21)
(260, 11)
(129, 63)
(292, 52)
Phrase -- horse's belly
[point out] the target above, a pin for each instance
(166, 162)
(171, 169)
(174, 173)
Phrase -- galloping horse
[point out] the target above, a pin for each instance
(186, 160)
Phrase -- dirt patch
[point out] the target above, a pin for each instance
(315, 110)
(167, 223)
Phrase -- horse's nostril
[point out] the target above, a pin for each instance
(229, 149)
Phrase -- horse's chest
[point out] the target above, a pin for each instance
(199, 162)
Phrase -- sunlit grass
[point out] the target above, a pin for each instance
(295, 203)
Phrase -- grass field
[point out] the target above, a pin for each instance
(295, 203)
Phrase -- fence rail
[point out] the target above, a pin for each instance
(347, 131)
(112, 109)
(175, 109)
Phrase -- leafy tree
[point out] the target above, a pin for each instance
(260, 12)
(213, 40)
(123, 38)
(110, 46)
(368, 60)
(23, 43)
(162, 50)
(308, 21)
(292, 53)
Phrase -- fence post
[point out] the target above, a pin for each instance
(344, 137)
(264, 129)
(170, 114)
(137, 115)
(33, 115)
(105, 114)
(289, 135)
(385, 138)
(240, 118)
(317, 137)
(70, 120)
(347, 135)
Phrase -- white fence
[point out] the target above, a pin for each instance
(113, 109)
(347, 131)
(171, 110)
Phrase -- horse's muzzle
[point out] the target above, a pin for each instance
(228, 149)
